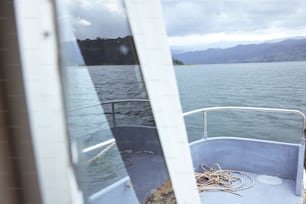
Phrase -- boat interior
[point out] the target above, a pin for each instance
(277, 168)
(272, 168)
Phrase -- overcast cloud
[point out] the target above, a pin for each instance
(98, 18)
(198, 24)
(232, 16)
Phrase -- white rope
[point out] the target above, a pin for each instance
(215, 178)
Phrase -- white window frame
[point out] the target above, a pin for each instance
(148, 29)
(40, 63)
(37, 38)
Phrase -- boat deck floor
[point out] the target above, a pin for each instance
(148, 172)
(266, 190)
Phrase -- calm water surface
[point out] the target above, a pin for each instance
(275, 85)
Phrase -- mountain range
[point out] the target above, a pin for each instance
(286, 50)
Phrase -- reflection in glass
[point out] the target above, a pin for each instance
(110, 121)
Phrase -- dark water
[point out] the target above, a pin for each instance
(118, 83)
(275, 85)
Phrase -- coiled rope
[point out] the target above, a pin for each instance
(215, 178)
(211, 178)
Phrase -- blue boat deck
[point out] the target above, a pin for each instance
(271, 190)
(283, 162)
(147, 172)
(266, 189)
(144, 166)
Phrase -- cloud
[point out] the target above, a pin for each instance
(232, 16)
(98, 18)
(197, 22)
(205, 23)
(82, 22)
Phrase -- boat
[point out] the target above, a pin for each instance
(270, 168)
(44, 165)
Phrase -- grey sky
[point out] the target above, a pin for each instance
(98, 18)
(199, 24)
(232, 16)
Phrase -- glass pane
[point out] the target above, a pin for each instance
(110, 122)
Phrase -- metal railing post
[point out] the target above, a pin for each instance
(113, 114)
(205, 125)
(304, 133)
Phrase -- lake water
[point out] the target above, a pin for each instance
(275, 85)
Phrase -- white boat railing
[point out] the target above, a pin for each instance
(204, 110)
(271, 110)
(113, 103)
(113, 112)
(99, 145)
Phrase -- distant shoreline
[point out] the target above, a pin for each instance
(246, 62)
(287, 50)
